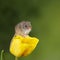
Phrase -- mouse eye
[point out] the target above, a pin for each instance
(25, 26)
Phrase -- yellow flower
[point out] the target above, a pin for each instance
(23, 46)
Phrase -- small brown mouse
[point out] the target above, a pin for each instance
(23, 28)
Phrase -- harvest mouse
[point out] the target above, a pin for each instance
(23, 28)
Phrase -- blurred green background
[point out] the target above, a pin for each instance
(45, 18)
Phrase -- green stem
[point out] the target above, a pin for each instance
(2, 54)
(16, 58)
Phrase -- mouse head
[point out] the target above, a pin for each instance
(24, 27)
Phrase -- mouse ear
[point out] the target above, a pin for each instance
(22, 21)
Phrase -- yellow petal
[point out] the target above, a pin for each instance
(32, 43)
(16, 47)
(21, 46)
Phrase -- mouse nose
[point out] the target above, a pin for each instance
(29, 27)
